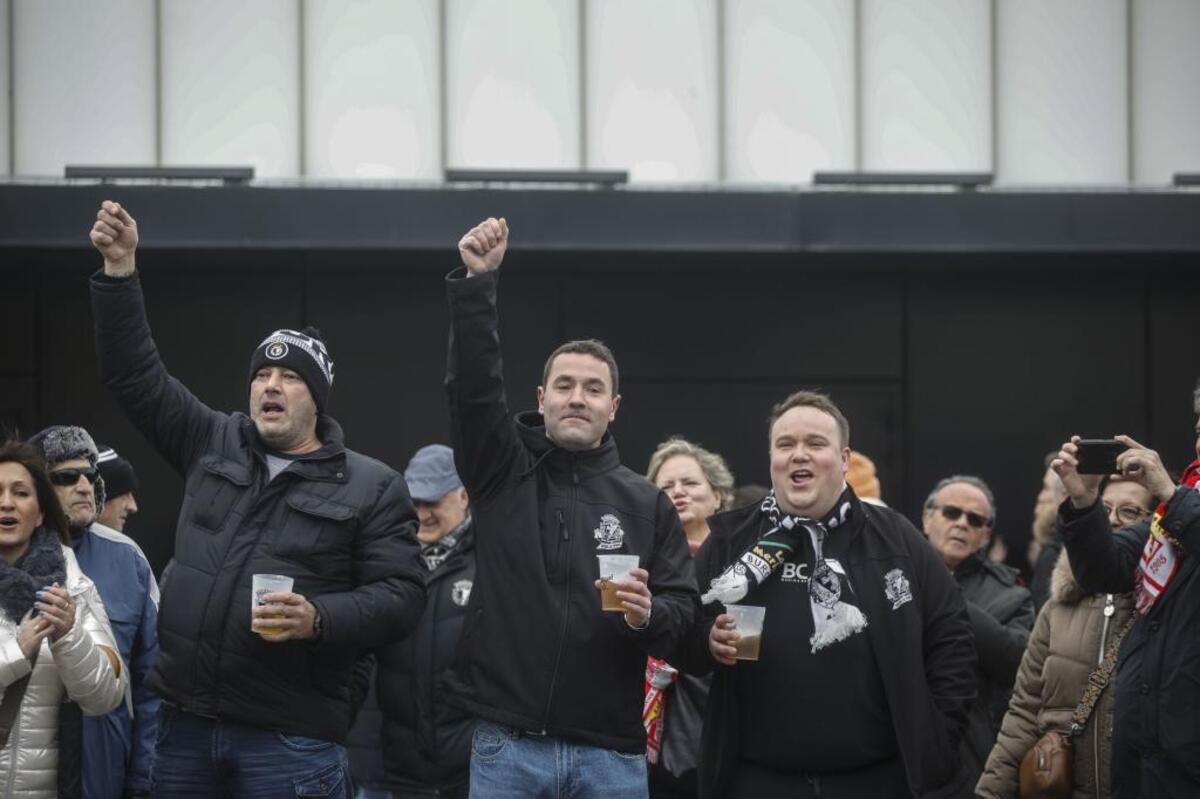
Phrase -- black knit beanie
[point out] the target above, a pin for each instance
(118, 474)
(304, 353)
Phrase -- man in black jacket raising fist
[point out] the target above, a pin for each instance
(557, 681)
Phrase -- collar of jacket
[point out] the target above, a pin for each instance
(327, 463)
(583, 463)
(979, 562)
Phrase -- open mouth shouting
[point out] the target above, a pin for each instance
(9, 523)
(271, 411)
(801, 478)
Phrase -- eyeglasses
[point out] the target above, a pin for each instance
(1128, 514)
(953, 513)
(69, 477)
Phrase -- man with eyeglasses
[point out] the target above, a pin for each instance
(117, 748)
(960, 514)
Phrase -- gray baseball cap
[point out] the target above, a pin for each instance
(431, 474)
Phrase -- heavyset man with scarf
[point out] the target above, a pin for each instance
(867, 664)
(1156, 740)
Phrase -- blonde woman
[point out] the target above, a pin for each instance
(699, 484)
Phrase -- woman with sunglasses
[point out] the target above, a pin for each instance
(1072, 634)
(57, 654)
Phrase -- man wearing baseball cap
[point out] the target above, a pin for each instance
(425, 743)
(257, 696)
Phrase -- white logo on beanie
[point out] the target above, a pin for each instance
(314, 348)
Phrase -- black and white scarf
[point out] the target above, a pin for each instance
(436, 553)
(41, 566)
(831, 597)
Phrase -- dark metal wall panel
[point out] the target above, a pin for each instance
(1002, 368)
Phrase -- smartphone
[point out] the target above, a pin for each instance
(1098, 455)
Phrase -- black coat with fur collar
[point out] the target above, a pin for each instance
(928, 675)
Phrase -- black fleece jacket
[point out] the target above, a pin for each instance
(538, 654)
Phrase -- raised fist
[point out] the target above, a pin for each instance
(484, 245)
(115, 235)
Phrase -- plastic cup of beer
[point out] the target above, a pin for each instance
(748, 624)
(614, 569)
(262, 584)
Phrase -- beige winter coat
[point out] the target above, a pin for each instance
(1067, 643)
(29, 761)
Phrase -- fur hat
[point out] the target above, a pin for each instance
(61, 442)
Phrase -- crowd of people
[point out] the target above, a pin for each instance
(329, 626)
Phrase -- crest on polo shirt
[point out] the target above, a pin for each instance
(276, 351)
(460, 592)
(897, 588)
(609, 534)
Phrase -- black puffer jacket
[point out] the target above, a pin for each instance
(927, 675)
(538, 653)
(339, 523)
(426, 741)
(1156, 728)
(1001, 613)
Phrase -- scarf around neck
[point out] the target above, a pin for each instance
(435, 554)
(1162, 553)
(831, 597)
(42, 565)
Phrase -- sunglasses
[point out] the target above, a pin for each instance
(69, 477)
(953, 513)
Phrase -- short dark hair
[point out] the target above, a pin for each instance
(51, 509)
(586, 346)
(812, 399)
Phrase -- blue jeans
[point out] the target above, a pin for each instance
(506, 764)
(202, 757)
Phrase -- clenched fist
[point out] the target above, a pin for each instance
(484, 245)
(115, 235)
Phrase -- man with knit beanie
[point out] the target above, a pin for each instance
(258, 689)
(120, 482)
(118, 748)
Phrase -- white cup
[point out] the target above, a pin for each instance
(614, 569)
(261, 584)
(748, 624)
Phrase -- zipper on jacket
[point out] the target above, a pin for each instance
(566, 609)
(1109, 610)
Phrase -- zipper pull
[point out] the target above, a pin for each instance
(562, 524)
(1109, 609)
(575, 477)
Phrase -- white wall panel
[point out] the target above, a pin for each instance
(83, 84)
(371, 89)
(789, 95)
(1166, 88)
(652, 88)
(5, 111)
(1061, 104)
(926, 85)
(512, 83)
(230, 84)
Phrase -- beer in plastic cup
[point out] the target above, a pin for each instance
(614, 569)
(748, 624)
(262, 584)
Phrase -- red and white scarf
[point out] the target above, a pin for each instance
(1160, 556)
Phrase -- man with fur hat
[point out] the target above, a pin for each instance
(118, 748)
(258, 691)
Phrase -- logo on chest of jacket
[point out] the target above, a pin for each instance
(276, 351)
(460, 592)
(609, 534)
(897, 588)
(793, 572)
